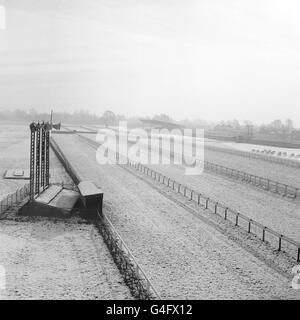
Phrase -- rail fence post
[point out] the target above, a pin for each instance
(298, 255)
(192, 194)
(206, 204)
(173, 184)
(279, 243)
(216, 207)
(226, 212)
(199, 195)
(184, 191)
(237, 219)
(264, 234)
(249, 226)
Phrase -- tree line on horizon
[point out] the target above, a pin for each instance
(275, 127)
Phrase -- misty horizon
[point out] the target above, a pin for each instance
(206, 60)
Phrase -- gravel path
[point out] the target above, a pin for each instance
(183, 256)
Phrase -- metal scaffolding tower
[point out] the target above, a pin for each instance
(39, 157)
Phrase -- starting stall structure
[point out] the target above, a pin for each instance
(91, 196)
(45, 199)
(54, 200)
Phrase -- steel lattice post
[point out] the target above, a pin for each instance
(47, 158)
(32, 159)
(38, 160)
(43, 158)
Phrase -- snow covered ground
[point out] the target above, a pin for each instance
(50, 258)
(183, 256)
(14, 154)
(270, 210)
(56, 259)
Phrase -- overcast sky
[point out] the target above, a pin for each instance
(210, 59)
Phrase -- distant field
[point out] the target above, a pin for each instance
(14, 153)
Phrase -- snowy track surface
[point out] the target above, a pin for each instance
(266, 169)
(182, 256)
(270, 210)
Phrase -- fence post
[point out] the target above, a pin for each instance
(173, 184)
(184, 193)
(298, 256)
(264, 234)
(237, 219)
(192, 194)
(279, 243)
(216, 207)
(249, 226)
(226, 211)
(206, 204)
(199, 195)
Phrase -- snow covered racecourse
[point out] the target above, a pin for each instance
(149, 152)
(163, 233)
